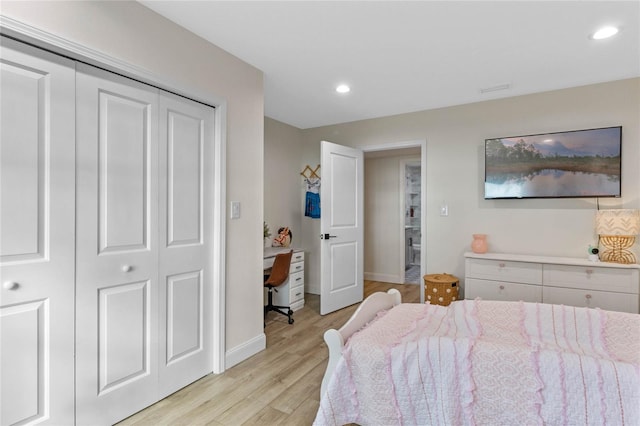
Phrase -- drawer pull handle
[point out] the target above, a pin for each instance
(589, 271)
(298, 294)
(298, 279)
(502, 265)
(501, 287)
(587, 296)
(126, 268)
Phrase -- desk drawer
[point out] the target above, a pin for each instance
(296, 267)
(297, 293)
(504, 270)
(297, 257)
(592, 278)
(296, 279)
(291, 291)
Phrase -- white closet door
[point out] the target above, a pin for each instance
(37, 154)
(185, 215)
(117, 247)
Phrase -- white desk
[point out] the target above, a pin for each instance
(291, 293)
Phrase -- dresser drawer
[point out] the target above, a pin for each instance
(591, 299)
(592, 278)
(504, 270)
(500, 290)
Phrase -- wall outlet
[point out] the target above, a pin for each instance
(444, 210)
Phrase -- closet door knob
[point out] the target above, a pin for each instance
(10, 285)
(127, 268)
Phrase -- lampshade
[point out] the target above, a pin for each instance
(618, 222)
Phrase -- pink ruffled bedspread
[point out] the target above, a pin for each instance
(489, 363)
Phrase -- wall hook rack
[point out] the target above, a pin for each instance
(309, 173)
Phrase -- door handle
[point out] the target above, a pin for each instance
(10, 285)
(327, 236)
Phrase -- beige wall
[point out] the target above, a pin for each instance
(134, 34)
(283, 185)
(455, 140)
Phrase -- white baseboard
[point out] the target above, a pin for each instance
(385, 278)
(244, 351)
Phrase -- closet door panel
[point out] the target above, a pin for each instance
(37, 179)
(23, 329)
(23, 151)
(185, 166)
(184, 315)
(124, 334)
(117, 254)
(185, 138)
(123, 173)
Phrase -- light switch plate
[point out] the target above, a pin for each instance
(235, 209)
(444, 210)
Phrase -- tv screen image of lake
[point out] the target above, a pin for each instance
(569, 164)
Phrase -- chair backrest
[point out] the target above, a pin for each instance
(280, 269)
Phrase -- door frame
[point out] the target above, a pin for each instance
(56, 44)
(422, 144)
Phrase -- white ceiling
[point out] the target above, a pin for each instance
(402, 56)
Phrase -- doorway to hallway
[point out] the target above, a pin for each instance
(393, 250)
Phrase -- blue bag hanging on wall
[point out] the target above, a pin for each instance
(312, 198)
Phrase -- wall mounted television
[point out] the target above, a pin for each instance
(571, 164)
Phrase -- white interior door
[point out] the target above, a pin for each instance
(117, 247)
(185, 217)
(37, 179)
(342, 227)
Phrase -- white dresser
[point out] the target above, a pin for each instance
(291, 293)
(557, 280)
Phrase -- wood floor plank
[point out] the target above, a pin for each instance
(267, 416)
(278, 386)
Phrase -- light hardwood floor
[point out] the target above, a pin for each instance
(278, 386)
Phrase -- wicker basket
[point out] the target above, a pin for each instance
(440, 289)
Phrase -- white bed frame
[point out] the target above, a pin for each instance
(367, 310)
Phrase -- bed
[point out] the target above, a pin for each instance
(480, 362)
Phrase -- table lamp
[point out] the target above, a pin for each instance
(617, 230)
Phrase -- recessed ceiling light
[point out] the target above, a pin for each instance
(343, 88)
(604, 32)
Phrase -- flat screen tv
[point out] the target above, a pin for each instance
(577, 163)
